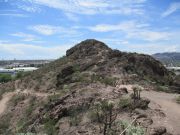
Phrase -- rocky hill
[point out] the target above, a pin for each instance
(94, 57)
(168, 59)
(88, 91)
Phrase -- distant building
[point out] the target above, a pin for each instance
(18, 69)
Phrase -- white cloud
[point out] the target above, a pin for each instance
(172, 8)
(72, 17)
(13, 14)
(151, 48)
(29, 51)
(44, 29)
(29, 8)
(95, 6)
(26, 37)
(150, 35)
(51, 30)
(132, 29)
(124, 26)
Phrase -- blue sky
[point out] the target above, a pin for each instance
(45, 29)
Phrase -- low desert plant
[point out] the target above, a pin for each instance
(162, 88)
(49, 127)
(31, 106)
(105, 80)
(124, 103)
(5, 123)
(16, 99)
(75, 120)
(131, 129)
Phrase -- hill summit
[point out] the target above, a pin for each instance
(87, 48)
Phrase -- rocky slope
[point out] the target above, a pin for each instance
(90, 74)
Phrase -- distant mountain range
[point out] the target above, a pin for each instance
(168, 59)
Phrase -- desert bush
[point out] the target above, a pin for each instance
(132, 130)
(75, 120)
(105, 80)
(21, 74)
(16, 99)
(162, 88)
(124, 103)
(54, 97)
(49, 127)
(131, 104)
(80, 77)
(5, 123)
(31, 106)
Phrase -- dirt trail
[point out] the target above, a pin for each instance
(7, 96)
(165, 102)
(3, 102)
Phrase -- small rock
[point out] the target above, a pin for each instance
(167, 134)
(124, 90)
(140, 113)
(82, 131)
(145, 122)
(158, 130)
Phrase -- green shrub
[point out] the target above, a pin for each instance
(31, 106)
(132, 130)
(54, 97)
(124, 102)
(92, 115)
(49, 127)
(75, 120)
(105, 80)
(21, 74)
(162, 88)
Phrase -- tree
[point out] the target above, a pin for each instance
(106, 114)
